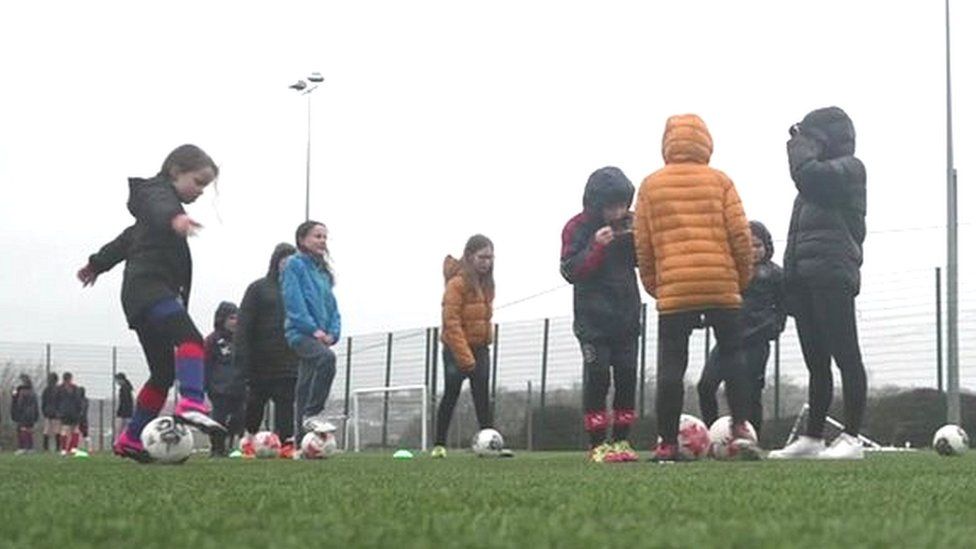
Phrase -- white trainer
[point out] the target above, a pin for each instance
(803, 447)
(318, 424)
(845, 446)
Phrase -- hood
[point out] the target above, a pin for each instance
(224, 310)
(138, 185)
(607, 186)
(832, 127)
(686, 140)
(452, 267)
(762, 233)
(281, 251)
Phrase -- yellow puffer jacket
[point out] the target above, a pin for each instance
(694, 246)
(465, 315)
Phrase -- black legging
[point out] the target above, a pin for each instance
(673, 331)
(598, 358)
(756, 355)
(281, 391)
(158, 338)
(228, 410)
(453, 378)
(827, 325)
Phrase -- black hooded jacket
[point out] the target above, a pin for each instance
(606, 301)
(23, 407)
(49, 398)
(158, 264)
(221, 375)
(763, 310)
(827, 228)
(260, 349)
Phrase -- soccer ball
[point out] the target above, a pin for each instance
(167, 441)
(488, 442)
(950, 440)
(266, 445)
(720, 436)
(693, 441)
(316, 446)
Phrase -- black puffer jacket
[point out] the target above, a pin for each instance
(23, 408)
(606, 301)
(158, 264)
(260, 349)
(763, 310)
(221, 374)
(71, 403)
(827, 229)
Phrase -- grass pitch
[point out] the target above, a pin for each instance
(533, 500)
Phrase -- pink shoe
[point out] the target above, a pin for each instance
(127, 447)
(196, 414)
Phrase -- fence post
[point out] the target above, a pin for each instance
(115, 371)
(494, 371)
(426, 359)
(643, 354)
(938, 328)
(47, 360)
(708, 341)
(545, 365)
(386, 394)
(528, 416)
(345, 409)
(101, 425)
(434, 358)
(776, 378)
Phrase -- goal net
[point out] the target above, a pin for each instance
(389, 417)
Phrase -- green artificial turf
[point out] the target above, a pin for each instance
(534, 500)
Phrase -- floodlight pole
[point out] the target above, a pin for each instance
(302, 86)
(952, 255)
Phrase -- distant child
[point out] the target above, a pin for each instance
(263, 356)
(466, 330)
(312, 325)
(598, 259)
(124, 410)
(71, 406)
(224, 381)
(24, 412)
(823, 275)
(49, 409)
(156, 291)
(694, 251)
(763, 316)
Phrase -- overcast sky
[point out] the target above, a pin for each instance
(438, 120)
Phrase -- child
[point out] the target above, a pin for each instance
(312, 325)
(71, 405)
(466, 331)
(823, 274)
(598, 259)
(24, 412)
(694, 252)
(156, 291)
(224, 381)
(124, 411)
(762, 317)
(49, 409)
(262, 355)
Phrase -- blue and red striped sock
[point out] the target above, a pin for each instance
(148, 404)
(189, 370)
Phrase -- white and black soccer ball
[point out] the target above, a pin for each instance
(267, 445)
(319, 446)
(721, 441)
(950, 440)
(167, 441)
(488, 442)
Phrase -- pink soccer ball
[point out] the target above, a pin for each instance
(692, 437)
(720, 435)
(267, 445)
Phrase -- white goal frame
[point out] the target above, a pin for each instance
(392, 388)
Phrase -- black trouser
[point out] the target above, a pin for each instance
(281, 391)
(598, 359)
(827, 325)
(756, 355)
(673, 331)
(229, 411)
(453, 378)
(159, 337)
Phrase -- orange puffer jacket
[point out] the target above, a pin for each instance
(694, 247)
(465, 315)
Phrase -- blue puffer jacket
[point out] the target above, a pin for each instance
(309, 302)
